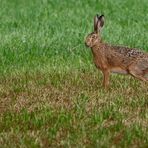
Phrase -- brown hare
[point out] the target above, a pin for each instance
(115, 59)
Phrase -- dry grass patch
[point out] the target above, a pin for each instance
(74, 108)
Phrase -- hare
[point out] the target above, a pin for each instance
(115, 59)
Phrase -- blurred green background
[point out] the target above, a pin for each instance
(43, 34)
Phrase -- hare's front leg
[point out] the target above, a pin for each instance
(106, 74)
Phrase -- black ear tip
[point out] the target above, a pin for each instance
(102, 15)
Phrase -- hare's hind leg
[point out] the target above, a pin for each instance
(146, 73)
(135, 71)
(106, 74)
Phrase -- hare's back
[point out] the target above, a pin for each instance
(129, 52)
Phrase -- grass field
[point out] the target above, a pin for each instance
(50, 90)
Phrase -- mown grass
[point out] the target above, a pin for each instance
(50, 91)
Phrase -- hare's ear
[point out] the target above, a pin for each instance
(96, 24)
(100, 23)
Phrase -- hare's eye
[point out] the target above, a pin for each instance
(93, 37)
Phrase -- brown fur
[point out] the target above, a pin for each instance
(116, 59)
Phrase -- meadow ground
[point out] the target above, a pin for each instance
(50, 91)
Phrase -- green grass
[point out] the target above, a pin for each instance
(50, 90)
